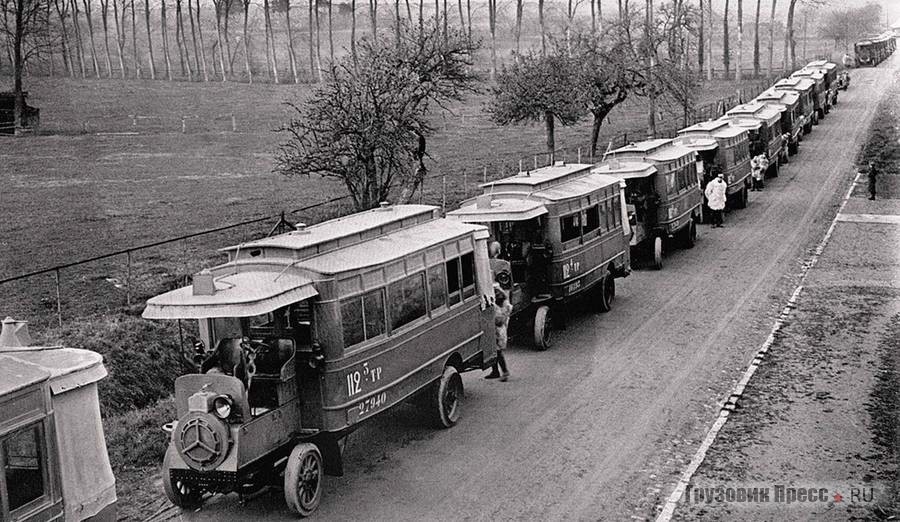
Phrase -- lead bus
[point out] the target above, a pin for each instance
(722, 149)
(662, 192)
(562, 233)
(308, 334)
(792, 120)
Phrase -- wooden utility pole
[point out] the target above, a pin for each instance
(651, 64)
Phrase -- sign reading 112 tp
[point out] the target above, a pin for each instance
(357, 378)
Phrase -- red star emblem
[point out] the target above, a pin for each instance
(838, 497)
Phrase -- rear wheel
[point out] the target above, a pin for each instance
(180, 492)
(303, 477)
(689, 234)
(657, 253)
(446, 398)
(542, 328)
(606, 293)
(742, 198)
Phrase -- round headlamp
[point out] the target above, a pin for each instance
(222, 406)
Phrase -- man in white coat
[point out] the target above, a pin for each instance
(715, 196)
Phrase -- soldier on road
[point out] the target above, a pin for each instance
(873, 178)
(715, 194)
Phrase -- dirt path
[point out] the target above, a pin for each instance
(601, 426)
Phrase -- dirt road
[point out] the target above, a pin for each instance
(601, 426)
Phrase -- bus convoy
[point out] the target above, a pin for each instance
(303, 337)
(872, 51)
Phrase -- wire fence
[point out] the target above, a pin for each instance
(120, 280)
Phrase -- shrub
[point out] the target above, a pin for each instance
(136, 439)
(142, 358)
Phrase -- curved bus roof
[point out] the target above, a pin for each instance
(661, 150)
(625, 169)
(743, 122)
(264, 275)
(16, 374)
(795, 83)
(822, 64)
(488, 209)
(718, 129)
(697, 142)
(755, 110)
(538, 179)
(782, 97)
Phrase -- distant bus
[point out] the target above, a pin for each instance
(872, 51)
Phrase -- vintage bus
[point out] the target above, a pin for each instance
(803, 87)
(830, 70)
(764, 126)
(792, 120)
(821, 93)
(563, 234)
(307, 334)
(55, 464)
(872, 51)
(662, 191)
(722, 148)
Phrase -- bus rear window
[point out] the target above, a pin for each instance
(570, 227)
(468, 275)
(23, 466)
(592, 219)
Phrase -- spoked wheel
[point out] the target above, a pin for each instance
(446, 399)
(179, 492)
(689, 234)
(303, 476)
(542, 328)
(657, 253)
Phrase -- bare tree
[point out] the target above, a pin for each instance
(318, 41)
(90, 23)
(30, 34)
(104, 19)
(225, 34)
(330, 32)
(701, 37)
(313, 71)
(373, 16)
(649, 26)
(219, 6)
(543, 27)
(270, 37)
(150, 38)
(353, 31)
(772, 39)
(519, 8)
(292, 55)
(492, 23)
(756, 66)
(165, 38)
(709, 41)
(179, 34)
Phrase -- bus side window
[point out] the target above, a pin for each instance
(592, 219)
(468, 275)
(453, 287)
(570, 227)
(437, 290)
(407, 297)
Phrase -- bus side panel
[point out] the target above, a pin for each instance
(579, 270)
(382, 375)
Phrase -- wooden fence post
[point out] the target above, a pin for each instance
(58, 299)
(128, 280)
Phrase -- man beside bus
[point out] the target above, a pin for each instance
(715, 194)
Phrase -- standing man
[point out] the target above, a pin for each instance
(873, 178)
(715, 195)
(755, 173)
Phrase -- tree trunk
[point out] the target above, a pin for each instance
(469, 20)
(318, 42)
(270, 36)
(445, 29)
(596, 123)
(202, 46)
(397, 22)
(462, 14)
(756, 66)
(18, 65)
(373, 16)
(740, 23)
(519, 8)
(291, 54)
(772, 40)
(79, 43)
(330, 33)
(702, 37)
(120, 35)
(651, 51)
(353, 32)
(165, 38)
(726, 57)
(313, 72)
(179, 36)
(104, 19)
(542, 27)
(150, 38)
(90, 24)
(62, 9)
(492, 21)
(421, 16)
(134, 48)
(551, 136)
(709, 41)
(194, 37)
(246, 38)
(225, 34)
(790, 47)
(220, 40)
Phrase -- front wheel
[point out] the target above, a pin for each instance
(303, 477)
(180, 492)
(607, 293)
(657, 253)
(446, 398)
(542, 328)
